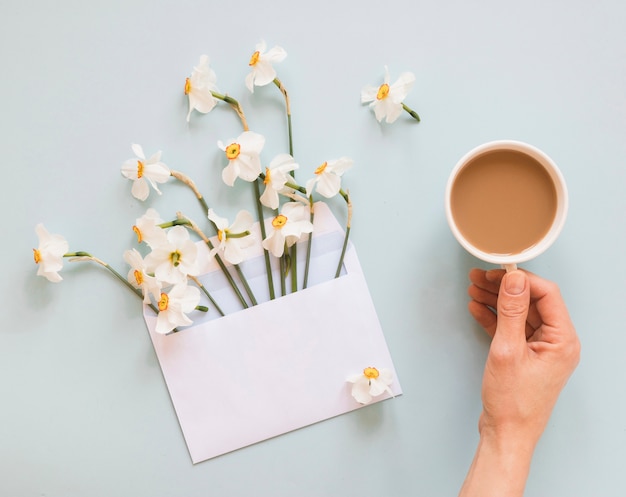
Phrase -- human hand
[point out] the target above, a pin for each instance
(533, 352)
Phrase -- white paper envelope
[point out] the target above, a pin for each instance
(280, 365)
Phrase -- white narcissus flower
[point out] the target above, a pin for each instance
(143, 171)
(199, 87)
(232, 240)
(276, 175)
(243, 156)
(263, 72)
(327, 179)
(138, 276)
(49, 254)
(174, 307)
(386, 99)
(148, 230)
(371, 383)
(288, 227)
(173, 258)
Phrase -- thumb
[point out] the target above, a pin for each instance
(513, 304)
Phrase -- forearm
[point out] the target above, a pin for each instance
(500, 467)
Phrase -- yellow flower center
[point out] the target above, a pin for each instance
(175, 258)
(164, 302)
(37, 256)
(383, 91)
(139, 169)
(321, 168)
(232, 151)
(138, 277)
(187, 86)
(371, 373)
(279, 221)
(220, 235)
(267, 179)
(255, 58)
(138, 233)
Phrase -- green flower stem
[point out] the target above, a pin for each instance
(86, 256)
(266, 254)
(294, 268)
(284, 267)
(206, 292)
(235, 105)
(411, 112)
(308, 246)
(175, 222)
(183, 178)
(346, 197)
(283, 90)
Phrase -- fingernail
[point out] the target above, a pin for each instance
(514, 282)
(492, 275)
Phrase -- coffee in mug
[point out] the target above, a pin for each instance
(506, 202)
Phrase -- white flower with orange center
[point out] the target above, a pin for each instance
(371, 383)
(263, 72)
(148, 230)
(232, 240)
(174, 257)
(243, 154)
(199, 87)
(387, 100)
(276, 175)
(144, 172)
(139, 278)
(174, 307)
(49, 254)
(327, 178)
(288, 227)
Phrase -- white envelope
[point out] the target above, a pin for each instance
(277, 366)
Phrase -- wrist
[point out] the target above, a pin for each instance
(501, 464)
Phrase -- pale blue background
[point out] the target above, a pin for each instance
(84, 409)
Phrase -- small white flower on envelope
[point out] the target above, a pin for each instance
(371, 383)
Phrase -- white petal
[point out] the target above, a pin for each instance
(251, 142)
(140, 189)
(178, 235)
(275, 243)
(341, 165)
(229, 173)
(328, 185)
(250, 82)
(220, 222)
(157, 172)
(393, 112)
(275, 54)
(243, 222)
(130, 169)
(264, 73)
(368, 94)
(360, 391)
(270, 198)
(138, 150)
(399, 90)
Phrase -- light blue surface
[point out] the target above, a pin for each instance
(84, 408)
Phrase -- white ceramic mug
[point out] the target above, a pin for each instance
(510, 260)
